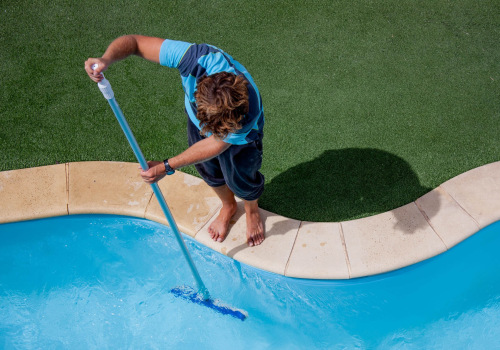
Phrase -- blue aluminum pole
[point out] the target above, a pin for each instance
(107, 91)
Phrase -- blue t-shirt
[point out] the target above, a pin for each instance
(193, 62)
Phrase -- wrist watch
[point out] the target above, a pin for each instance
(168, 168)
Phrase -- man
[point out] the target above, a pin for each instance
(225, 123)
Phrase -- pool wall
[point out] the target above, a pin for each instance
(335, 250)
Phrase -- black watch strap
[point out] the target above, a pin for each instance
(168, 168)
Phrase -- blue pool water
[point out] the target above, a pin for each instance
(96, 281)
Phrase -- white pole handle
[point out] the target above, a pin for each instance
(104, 86)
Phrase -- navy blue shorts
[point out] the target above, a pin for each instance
(237, 167)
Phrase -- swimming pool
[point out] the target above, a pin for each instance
(102, 281)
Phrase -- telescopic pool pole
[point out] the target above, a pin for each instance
(108, 93)
(201, 297)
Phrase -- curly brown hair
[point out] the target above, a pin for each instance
(222, 100)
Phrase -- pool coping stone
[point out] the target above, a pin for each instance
(372, 245)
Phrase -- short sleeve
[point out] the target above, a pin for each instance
(240, 137)
(172, 51)
(236, 139)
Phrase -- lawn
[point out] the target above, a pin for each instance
(368, 104)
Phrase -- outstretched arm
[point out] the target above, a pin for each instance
(122, 47)
(199, 152)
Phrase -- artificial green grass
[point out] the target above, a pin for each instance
(369, 104)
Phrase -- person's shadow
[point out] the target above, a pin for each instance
(342, 185)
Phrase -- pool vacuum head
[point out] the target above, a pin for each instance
(190, 294)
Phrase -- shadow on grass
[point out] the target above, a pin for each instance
(342, 185)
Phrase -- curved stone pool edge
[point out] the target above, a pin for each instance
(336, 250)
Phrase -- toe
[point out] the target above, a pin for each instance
(211, 233)
(259, 238)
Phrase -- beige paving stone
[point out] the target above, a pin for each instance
(450, 221)
(318, 252)
(33, 193)
(272, 255)
(108, 188)
(381, 243)
(389, 241)
(478, 192)
(190, 200)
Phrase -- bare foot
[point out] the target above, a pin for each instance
(255, 228)
(219, 227)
